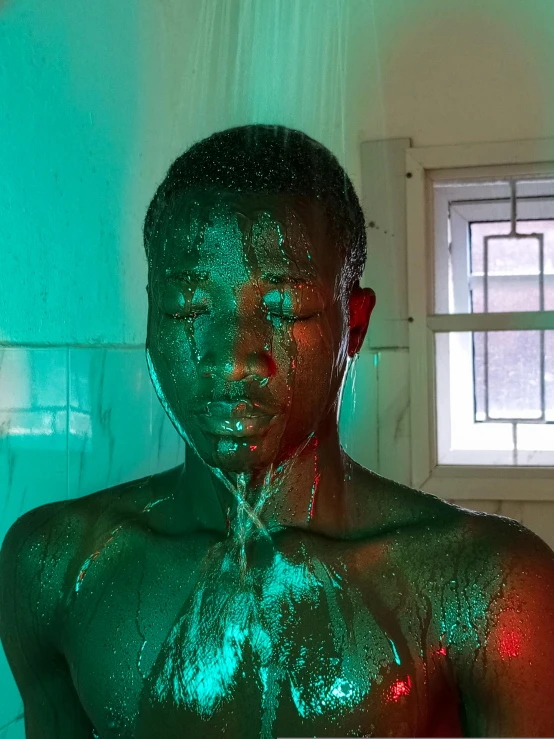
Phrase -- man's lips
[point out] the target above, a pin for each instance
(236, 409)
(241, 418)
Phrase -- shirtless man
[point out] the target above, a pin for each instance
(269, 587)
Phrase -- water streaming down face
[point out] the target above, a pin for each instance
(348, 404)
(248, 329)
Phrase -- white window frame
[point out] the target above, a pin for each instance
(424, 166)
(490, 442)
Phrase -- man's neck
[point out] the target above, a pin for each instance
(306, 491)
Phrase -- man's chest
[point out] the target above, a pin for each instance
(265, 643)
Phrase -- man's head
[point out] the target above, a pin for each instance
(255, 243)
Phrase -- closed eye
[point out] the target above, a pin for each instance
(184, 303)
(291, 304)
(190, 315)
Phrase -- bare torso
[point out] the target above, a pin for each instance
(165, 634)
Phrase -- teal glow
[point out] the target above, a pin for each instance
(396, 657)
(84, 568)
(70, 89)
(231, 607)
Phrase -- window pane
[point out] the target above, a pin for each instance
(477, 295)
(464, 434)
(511, 257)
(547, 229)
(549, 374)
(479, 374)
(512, 376)
(513, 294)
(508, 256)
(494, 390)
(512, 277)
(478, 231)
(549, 292)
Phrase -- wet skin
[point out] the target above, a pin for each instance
(270, 586)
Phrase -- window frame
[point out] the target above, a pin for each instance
(424, 167)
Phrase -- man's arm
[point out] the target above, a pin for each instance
(507, 683)
(30, 593)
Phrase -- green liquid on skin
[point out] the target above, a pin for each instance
(202, 658)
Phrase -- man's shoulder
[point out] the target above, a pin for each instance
(33, 557)
(484, 537)
(489, 545)
(32, 537)
(505, 575)
(41, 529)
(509, 549)
(42, 548)
(499, 538)
(50, 535)
(493, 559)
(388, 505)
(39, 545)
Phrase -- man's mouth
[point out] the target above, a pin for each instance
(234, 418)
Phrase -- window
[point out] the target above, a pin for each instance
(481, 305)
(495, 395)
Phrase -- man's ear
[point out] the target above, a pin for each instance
(362, 302)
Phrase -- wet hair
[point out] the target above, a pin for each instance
(270, 159)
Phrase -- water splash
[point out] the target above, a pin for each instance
(347, 404)
(230, 609)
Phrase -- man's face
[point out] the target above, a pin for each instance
(247, 335)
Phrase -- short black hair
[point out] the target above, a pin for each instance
(272, 159)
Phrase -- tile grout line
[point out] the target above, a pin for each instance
(46, 345)
(377, 376)
(67, 376)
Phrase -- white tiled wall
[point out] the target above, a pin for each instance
(358, 418)
(375, 413)
(73, 421)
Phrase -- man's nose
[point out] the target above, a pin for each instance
(239, 349)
